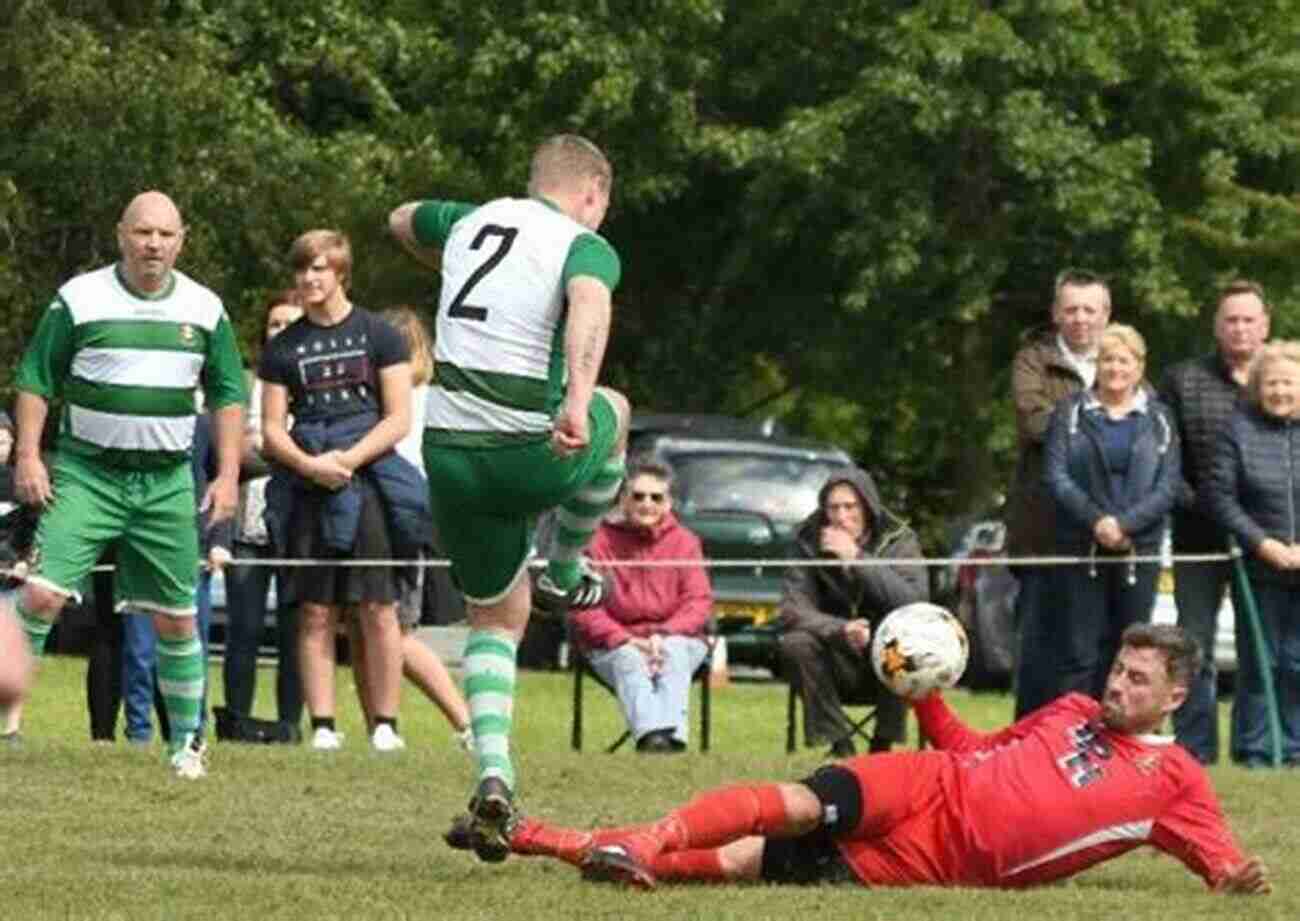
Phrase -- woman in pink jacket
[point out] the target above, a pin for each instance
(647, 638)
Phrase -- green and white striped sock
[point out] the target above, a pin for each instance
(578, 519)
(490, 693)
(180, 678)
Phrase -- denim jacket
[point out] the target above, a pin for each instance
(399, 484)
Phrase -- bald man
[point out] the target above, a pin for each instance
(125, 347)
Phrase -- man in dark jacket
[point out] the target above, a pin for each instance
(827, 613)
(1202, 394)
(1053, 363)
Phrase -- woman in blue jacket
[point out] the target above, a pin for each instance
(1255, 494)
(1112, 466)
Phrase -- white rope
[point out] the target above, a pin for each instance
(757, 564)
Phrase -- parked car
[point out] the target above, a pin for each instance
(744, 488)
(984, 600)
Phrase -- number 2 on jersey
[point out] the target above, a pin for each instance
(506, 238)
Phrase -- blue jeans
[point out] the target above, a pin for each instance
(648, 705)
(1198, 594)
(1278, 607)
(140, 663)
(246, 596)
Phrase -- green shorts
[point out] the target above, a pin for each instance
(147, 514)
(486, 500)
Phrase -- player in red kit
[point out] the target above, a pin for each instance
(1075, 783)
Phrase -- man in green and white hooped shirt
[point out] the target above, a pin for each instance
(124, 348)
(515, 424)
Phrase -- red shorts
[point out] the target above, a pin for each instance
(908, 834)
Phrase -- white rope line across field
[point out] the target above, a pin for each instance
(868, 562)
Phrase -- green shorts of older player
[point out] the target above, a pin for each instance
(148, 517)
(486, 500)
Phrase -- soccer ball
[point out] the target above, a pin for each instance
(919, 648)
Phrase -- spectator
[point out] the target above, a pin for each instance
(1112, 466)
(1202, 393)
(827, 613)
(1254, 492)
(420, 664)
(248, 587)
(1054, 363)
(120, 474)
(343, 494)
(645, 639)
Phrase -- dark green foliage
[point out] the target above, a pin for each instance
(843, 214)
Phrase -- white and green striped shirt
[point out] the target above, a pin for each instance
(126, 366)
(499, 348)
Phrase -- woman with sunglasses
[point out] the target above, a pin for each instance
(646, 639)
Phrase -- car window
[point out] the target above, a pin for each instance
(782, 488)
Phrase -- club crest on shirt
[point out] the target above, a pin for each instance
(187, 334)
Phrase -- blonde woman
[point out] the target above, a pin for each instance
(1255, 493)
(1113, 467)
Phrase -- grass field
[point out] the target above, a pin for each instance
(104, 831)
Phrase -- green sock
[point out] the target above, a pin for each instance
(490, 693)
(578, 519)
(180, 678)
(37, 630)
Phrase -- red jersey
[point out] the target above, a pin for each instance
(1043, 799)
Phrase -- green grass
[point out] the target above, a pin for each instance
(104, 831)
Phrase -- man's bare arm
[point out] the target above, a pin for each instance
(399, 225)
(31, 479)
(586, 334)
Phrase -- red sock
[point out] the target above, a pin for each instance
(702, 866)
(534, 837)
(723, 815)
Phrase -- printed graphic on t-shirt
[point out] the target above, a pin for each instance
(334, 371)
(1083, 764)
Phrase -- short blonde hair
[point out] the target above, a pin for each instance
(407, 322)
(334, 245)
(1270, 354)
(564, 158)
(1125, 336)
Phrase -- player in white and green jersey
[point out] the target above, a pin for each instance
(124, 349)
(515, 424)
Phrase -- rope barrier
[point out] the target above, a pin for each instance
(757, 563)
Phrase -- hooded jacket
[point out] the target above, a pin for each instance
(820, 599)
(645, 601)
(1078, 478)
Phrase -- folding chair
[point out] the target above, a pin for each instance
(582, 668)
(860, 726)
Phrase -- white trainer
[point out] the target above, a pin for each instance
(190, 761)
(384, 739)
(325, 739)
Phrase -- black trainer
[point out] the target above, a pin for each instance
(460, 836)
(491, 820)
(587, 593)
